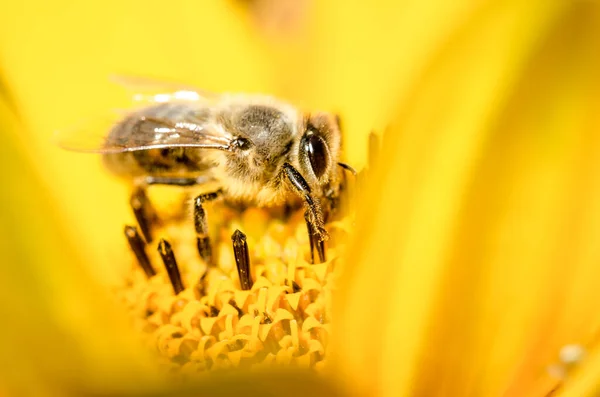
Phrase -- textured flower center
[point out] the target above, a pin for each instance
(246, 289)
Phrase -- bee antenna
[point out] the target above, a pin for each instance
(347, 168)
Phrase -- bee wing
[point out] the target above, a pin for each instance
(143, 130)
(151, 90)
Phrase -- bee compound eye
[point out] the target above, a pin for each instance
(242, 143)
(318, 154)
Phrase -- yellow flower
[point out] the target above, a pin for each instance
(476, 254)
(489, 262)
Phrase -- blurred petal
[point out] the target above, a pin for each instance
(58, 331)
(586, 381)
(478, 258)
(292, 383)
(477, 262)
(361, 60)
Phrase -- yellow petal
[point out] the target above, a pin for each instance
(586, 381)
(58, 329)
(479, 247)
(462, 265)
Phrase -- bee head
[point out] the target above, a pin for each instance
(319, 148)
(262, 139)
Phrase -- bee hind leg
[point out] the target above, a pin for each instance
(144, 212)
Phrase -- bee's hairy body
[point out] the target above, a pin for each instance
(176, 162)
(268, 133)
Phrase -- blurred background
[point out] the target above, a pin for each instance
(485, 221)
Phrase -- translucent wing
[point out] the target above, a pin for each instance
(151, 90)
(160, 126)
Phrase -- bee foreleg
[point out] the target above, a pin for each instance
(314, 212)
(315, 243)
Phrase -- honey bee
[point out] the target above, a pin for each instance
(257, 149)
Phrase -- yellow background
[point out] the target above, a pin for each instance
(477, 256)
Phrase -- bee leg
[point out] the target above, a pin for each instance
(201, 226)
(313, 205)
(143, 211)
(202, 239)
(206, 197)
(315, 243)
(311, 237)
(175, 181)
